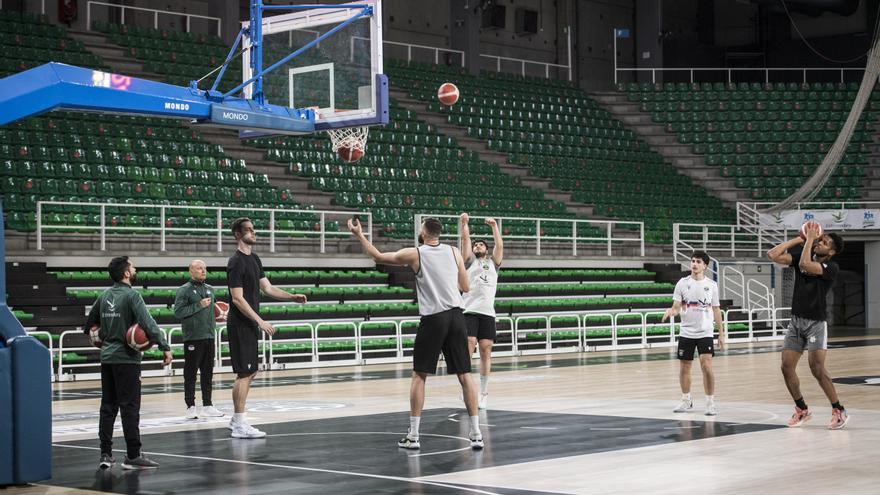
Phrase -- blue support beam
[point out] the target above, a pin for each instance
(55, 86)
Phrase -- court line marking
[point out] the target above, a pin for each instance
(468, 440)
(300, 468)
(452, 416)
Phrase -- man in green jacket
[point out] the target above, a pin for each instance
(194, 307)
(117, 309)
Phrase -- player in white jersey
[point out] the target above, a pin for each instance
(696, 300)
(479, 302)
(440, 280)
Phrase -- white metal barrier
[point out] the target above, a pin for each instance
(726, 240)
(497, 60)
(218, 230)
(575, 238)
(156, 12)
(761, 324)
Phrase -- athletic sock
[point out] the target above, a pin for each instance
(484, 384)
(836, 405)
(475, 424)
(800, 403)
(238, 418)
(414, 426)
(686, 396)
(710, 399)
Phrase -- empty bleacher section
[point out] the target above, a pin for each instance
(359, 315)
(560, 133)
(28, 40)
(180, 57)
(93, 158)
(80, 157)
(409, 168)
(767, 138)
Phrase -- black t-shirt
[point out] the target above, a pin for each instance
(808, 298)
(244, 271)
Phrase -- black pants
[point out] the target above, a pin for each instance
(121, 392)
(198, 356)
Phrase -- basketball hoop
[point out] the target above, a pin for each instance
(354, 138)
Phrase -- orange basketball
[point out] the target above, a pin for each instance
(803, 233)
(137, 339)
(447, 94)
(221, 310)
(350, 154)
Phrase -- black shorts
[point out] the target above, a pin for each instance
(480, 326)
(442, 332)
(686, 347)
(244, 344)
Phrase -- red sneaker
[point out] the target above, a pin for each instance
(799, 417)
(839, 418)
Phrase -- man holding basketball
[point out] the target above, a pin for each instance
(194, 307)
(117, 309)
(440, 279)
(479, 302)
(815, 273)
(245, 279)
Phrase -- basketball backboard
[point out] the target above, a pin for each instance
(340, 77)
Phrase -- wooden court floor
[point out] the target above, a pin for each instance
(599, 422)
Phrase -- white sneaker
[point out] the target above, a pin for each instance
(191, 412)
(211, 412)
(477, 441)
(244, 430)
(484, 401)
(711, 410)
(684, 406)
(409, 443)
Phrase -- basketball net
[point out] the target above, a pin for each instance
(349, 137)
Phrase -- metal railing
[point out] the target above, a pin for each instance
(575, 238)
(409, 49)
(518, 338)
(733, 281)
(810, 205)
(726, 240)
(156, 12)
(749, 219)
(218, 230)
(498, 60)
(729, 71)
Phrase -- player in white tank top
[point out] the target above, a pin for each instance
(440, 279)
(479, 302)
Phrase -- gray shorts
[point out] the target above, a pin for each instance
(806, 335)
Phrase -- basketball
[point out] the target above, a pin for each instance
(221, 310)
(447, 94)
(95, 336)
(350, 154)
(804, 227)
(137, 339)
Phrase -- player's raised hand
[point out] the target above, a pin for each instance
(490, 222)
(354, 225)
(464, 218)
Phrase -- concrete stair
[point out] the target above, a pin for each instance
(482, 149)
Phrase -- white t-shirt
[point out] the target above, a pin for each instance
(697, 298)
(483, 278)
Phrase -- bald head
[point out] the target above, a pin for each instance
(197, 270)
